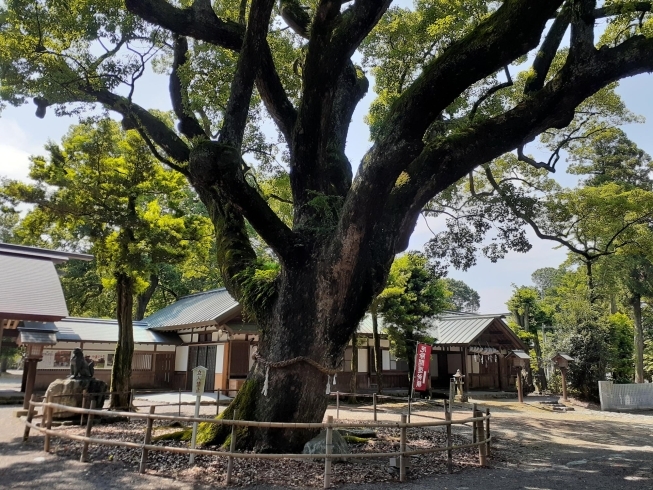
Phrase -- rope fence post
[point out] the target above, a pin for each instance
(402, 450)
(47, 419)
(217, 402)
(487, 431)
(30, 416)
(146, 441)
(447, 417)
(232, 449)
(374, 405)
(482, 459)
(81, 416)
(89, 426)
(329, 451)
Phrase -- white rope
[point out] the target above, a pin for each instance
(265, 384)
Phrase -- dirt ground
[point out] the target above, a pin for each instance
(534, 450)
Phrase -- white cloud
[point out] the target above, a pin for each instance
(14, 162)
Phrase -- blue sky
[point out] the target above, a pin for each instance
(22, 135)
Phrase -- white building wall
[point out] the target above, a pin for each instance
(362, 361)
(219, 358)
(181, 358)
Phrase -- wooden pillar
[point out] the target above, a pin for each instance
(31, 377)
(563, 373)
(466, 380)
(2, 327)
(520, 389)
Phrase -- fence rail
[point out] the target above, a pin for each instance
(480, 425)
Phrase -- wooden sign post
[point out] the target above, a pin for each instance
(199, 380)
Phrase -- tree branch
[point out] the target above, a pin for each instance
(242, 85)
(188, 124)
(548, 50)
(160, 134)
(490, 92)
(197, 22)
(622, 8)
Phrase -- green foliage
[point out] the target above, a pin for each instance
(590, 347)
(258, 287)
(621, 333)
(102, 191)
(463, 297)
(421, 296)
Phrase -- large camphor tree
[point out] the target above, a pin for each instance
(442, 116)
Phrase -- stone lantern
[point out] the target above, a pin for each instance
(520, 360)
(34, 342)
(459, 382)
(561, 361)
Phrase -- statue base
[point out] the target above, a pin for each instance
(70, 392)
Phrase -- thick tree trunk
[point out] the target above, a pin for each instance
(299, 324)
(639, 338)
(144, 298)
(378, 353)
(540, 362)
(122, 361)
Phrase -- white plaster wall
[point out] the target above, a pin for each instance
(185, 337)
(219, 358)
(386, 360)
(181, 358)
(362, 360)
(165, 348)
(111, 346)
(620, 397)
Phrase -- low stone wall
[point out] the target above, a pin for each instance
(621, 397)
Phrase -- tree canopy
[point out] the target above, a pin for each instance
(456, 89)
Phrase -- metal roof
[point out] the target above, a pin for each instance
(564, 356)
(198, 309)
(55, 256)
(99, 330)
(458, 329)
(365, 325)
(520, 354)
(30, 289)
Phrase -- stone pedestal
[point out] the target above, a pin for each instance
(70, 392)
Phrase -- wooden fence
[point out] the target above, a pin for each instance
(479, 421)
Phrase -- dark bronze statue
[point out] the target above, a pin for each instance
(79, 367)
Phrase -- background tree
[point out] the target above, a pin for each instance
(423, 295)
(103, 189)
(336, 254)
(463, 298)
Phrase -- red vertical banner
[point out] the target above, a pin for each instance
(422, 364)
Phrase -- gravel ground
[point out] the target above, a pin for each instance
(534, 450)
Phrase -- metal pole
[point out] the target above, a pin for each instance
(402, 450)
(329, 451)
(374, 405)
(217, 402)
(487, 431)
(337, 405)
(447, 416)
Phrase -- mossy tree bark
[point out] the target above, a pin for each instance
(122, 360)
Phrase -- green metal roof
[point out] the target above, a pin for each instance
(207, 308)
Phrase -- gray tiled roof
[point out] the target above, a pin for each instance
(99, 330)
(459, 329)
(198, 309)
(30, 289)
